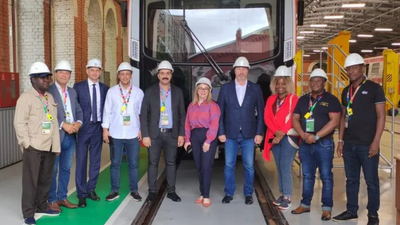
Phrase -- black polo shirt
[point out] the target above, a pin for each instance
(362, 124)
(327, 104)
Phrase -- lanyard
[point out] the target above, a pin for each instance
(312, 105)
(279, 103)
(45, 104)
(163, 98)
(126, 99)
(64, 97)
(351, 96)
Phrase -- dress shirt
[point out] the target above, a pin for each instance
(240, 91)
(69, 107)
(168, 109)
(113, 116)
(203, 116)
(98, 98)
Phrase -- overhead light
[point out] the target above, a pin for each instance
(307, 32)
(318, 25)
(300, 37)
(306, 55)
(396, 44)
(383, 29)
(352, 41)
(380, 47)
(332, 17)
(353, 5)
(325, 48)
(317, 50)
(367, 50)
(365, 35)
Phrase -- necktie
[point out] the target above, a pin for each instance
(94, 104)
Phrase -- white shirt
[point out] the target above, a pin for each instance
(240, 91)
(98, 98)
(113, 117)
(68, 108)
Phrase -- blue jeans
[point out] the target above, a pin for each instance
(62, 162)
(284, 154)
(312, 156)
(356, 156)
(247, 149)
(117, 149)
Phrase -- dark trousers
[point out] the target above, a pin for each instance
(89, 139)
(356, 156)
(169, 145)
(37, 173)
(204, 160)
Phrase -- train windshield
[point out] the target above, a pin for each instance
(225, 29)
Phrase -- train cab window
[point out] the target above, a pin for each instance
(226, 29)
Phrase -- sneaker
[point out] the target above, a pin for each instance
(286, 203)
(112, 196)
(373, 220)
(30, 221)
(151, 197)
(344, 216)
(48, 212)
(136, 197)
(278, 201)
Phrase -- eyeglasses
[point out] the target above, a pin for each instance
(203, 89)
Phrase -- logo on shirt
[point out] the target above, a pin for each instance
(364, 92)
(326, 104)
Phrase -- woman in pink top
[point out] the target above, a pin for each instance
(201, 128)
(280, 136)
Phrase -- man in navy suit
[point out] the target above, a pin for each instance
(69, 115)
(91, 96)
(240, 125)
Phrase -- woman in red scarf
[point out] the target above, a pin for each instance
(280, 136)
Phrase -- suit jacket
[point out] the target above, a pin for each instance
(82, 89)
(150, 112)
(249, 116)
(76, 108)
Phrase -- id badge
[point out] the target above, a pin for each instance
(126, 120)
(164, 119)
(310, 125)
(68, 120)
(46, 128)
(346, 121)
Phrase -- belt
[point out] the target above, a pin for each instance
(164, 130)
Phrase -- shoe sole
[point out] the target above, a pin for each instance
(277, 204)
(336, 220)
(112, 199)
(46, 214)
(284, 208)
(136, 200)
(294, 213)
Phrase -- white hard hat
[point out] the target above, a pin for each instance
(63, 65)
(204, 80)
(165, 65)
(39, 68)
(318, 73)
(241, 62)
(353, 59)
(283, 71)
(124, 66)
(94, 63)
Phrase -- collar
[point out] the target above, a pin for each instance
(90, 82)
(237, 84)
(59, 87)
(35, 93)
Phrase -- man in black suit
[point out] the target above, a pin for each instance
(163, 128)
(91, 97)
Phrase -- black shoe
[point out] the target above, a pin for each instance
(151, 197)
(373, 220)
(344, 216)
(174, 197)
(249, 200)
(92, 195)
(30, 221)
(136, 197)
(82, 203)
(112, 196)
(227, 199)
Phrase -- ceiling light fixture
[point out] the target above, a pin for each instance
(367, 50)
(305, 55)
(353, 5)
(317, 50)
(365, 35)
(318, 25)
(380, 47)
(333, 17)
(396, 44)
(383, 29)
(352, 41)
(307, 32)
(300, 37)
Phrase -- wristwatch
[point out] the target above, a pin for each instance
(316, 137)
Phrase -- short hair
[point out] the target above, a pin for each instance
(288, 81)
(196, 97)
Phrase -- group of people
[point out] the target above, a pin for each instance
(50, 120)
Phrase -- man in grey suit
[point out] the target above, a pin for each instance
(70, 116)
(163, 128)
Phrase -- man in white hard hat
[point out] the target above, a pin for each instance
(91, 97)
(121, 129)
(315, 118)
(69, 115)
(361, 126)
(163, 128)
(241, 125)
(36, 127)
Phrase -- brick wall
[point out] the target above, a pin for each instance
(4, 37)
(111, 46)
(95, 31)
(81, 42)
(47, 33)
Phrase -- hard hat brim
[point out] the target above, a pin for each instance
(40, 74)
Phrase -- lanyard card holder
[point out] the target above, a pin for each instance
(46, 128)
(310, 125)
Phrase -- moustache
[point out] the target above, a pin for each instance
(165, 78)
